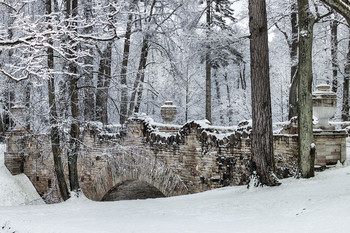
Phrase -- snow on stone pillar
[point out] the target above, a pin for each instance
(16, 140)
(324, 103)
(168, 112)
(20, 115)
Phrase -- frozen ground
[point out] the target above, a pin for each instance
(320, 204)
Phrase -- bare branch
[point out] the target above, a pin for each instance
(18, 41)
(340, 6)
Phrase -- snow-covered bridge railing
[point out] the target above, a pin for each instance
(175, 159)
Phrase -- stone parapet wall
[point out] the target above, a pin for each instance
(194, 159)
(330, 147)
(286, 154)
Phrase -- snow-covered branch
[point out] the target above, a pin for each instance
(340, 6)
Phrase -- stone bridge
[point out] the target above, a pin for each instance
(172, 160)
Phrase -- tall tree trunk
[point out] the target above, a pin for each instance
(28, 89)
(140, 77)
(218, 97)
(140, 74)
(140, 92)
(262, 138)
(123, 73)
(345, 106)
(208, 67)
(187, 97)
(229, 113)
(72, 11)
(293, 47)
(103, 83)
(334, 53)
(305, 130)
(54, 135)
(89, 95)
(74, 136)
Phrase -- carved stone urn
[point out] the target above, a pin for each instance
(19, 112)
(324, 103)
(168, 112)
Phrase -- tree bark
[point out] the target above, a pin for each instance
(72, 11)
(218, 97)
(89, 95)
(262, 137)
(334, 53)
(345, 106)
(340, 6)
(293, 47)
(229, 106)
(123, 74)
(54, 135)
(140, 74)
(305, 130)
(208, 67)
(103, 83)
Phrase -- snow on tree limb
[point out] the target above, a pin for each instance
(340, 6)
(18, 41)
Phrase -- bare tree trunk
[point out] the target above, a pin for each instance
(139, 92)
(242, 77)
(218, 97)
(229, 113)
(140, 75)
(334, 53)
(103, 83)
(54, 135)
(208, 67)
(72, 11)
(28, 89)
(89, 95)
(345, 106)
(262, 138)
(305, 130)
(123, 74)
(293, 47)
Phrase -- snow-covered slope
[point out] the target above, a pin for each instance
(320, 204)
(15, 190)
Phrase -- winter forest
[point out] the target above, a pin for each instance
(236, 70)
(107, 60)
(73, 62)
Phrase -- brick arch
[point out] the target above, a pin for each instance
(97, 181)
(132, 189)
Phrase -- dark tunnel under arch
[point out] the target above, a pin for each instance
(132, 190)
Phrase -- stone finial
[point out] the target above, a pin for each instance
(168, 112)
(324, 103)
(19, 115)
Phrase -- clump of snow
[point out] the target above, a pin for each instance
(15, 190)
(77, 197)
(313, 146)
(339, 164)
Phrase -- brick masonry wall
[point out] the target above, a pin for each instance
(193, 160)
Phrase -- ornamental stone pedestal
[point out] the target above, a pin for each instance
(324, 103)
(168, 112)
(330, 143)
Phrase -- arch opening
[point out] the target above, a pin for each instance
(132, 190)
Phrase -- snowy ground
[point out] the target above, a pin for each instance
(320, 204)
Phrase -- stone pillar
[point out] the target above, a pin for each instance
(19, 113)
(324, 103)
(168, 112)
(16, 140)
